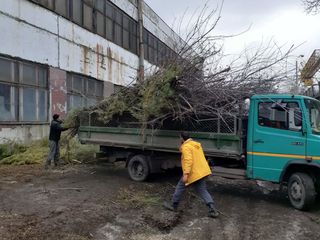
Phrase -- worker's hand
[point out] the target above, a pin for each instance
(185, 178)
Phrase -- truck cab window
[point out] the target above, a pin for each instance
(286, 116)
(313, 109)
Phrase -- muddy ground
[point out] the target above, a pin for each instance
(100, 202)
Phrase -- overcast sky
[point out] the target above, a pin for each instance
(285, 21)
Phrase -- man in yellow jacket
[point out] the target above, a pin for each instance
(195, 169)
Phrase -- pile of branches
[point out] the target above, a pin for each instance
(195, 83)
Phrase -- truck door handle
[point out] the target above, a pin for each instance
(258, 141)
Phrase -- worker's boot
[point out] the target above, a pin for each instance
(171, 206)
(213, 212)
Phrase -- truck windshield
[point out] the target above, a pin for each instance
(313, 108)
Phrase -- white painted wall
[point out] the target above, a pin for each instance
(39, 35)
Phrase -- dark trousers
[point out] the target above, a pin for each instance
(54, 153)
(199, 186)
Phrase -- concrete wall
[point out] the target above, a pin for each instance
(23, 133)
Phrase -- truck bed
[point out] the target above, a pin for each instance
(214, 144)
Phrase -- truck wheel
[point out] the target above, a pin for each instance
(138, 168)
(301, 191)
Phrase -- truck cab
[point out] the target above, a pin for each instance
(283, 144)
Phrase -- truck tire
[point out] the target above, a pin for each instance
(138, 168)
(301, 191)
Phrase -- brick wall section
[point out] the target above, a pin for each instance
(58, 90)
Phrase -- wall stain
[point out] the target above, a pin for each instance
(109, 56)
(85, 59)
(97, 63)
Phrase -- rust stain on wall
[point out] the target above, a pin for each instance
(121, 71)
(100, 62)
(97, 63)
(85, 60)
(109, 56)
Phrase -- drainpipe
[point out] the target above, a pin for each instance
(141, 47)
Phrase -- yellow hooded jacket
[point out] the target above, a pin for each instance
(193, 161)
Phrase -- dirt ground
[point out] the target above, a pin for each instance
(99, 201)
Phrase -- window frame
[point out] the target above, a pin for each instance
(17, 86)
(85, 95)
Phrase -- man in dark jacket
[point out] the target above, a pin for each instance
(54, 137)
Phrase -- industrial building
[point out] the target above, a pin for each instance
(56, 55)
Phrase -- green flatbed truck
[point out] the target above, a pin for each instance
(278, 142)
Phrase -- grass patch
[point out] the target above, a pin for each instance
(137, 199)
(10, 148)
(37, 152)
